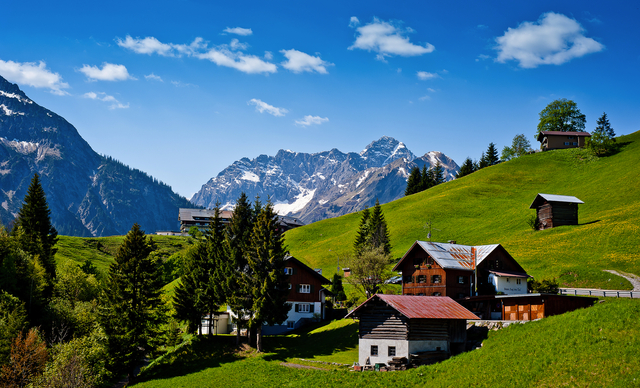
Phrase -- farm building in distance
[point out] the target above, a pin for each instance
(553, 140)
(202, 218)
(555, 210)
(415, 327)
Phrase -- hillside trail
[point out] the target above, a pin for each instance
(633, 279)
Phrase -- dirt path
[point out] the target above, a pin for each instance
(298, 366)
(633, 279)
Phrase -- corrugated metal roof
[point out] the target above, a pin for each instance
(510, 274)
(456, 256)
(413, 306)
(554, 198)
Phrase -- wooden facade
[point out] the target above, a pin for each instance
(553, 140)
(526, 307)
(423, 274)
(300, 275)
(555, 210)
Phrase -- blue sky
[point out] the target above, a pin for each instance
(182, 89)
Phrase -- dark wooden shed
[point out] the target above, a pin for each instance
(525, 307)
(555, 210)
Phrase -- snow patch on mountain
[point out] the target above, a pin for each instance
(9, 112)
(249, 176)
(16, 96)
(300, 201)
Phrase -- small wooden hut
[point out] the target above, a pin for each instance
(555, 210)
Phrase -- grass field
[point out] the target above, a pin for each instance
(492, 206)
(597, 346)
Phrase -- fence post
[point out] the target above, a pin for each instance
(618, 294)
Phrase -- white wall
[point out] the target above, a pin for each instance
(403, 349)
(509, 285)
(294, 316)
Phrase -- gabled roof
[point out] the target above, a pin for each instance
(508, 274)
(561, 133)
(416, 307)
(452, 256)
(305, 267)
(541, 198)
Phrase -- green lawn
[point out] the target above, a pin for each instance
(492, 206)
(597, 346)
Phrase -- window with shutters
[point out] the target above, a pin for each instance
(461, 279)
(436, 278)
(288, 271)
(291, 325)
(305, 288)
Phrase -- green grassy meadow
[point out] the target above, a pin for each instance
(591, 347)
(492, 206)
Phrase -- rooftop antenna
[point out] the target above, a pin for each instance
(428, 226)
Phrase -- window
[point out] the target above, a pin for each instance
(436, 278)
(567, 143)
(461, 280)
(305, 289)
(422, 278)
(407, 279)
(507, 280)
(303, 308)
(571, 137)
(288, 271)
(461, 296)
(289, 285)
(437, 294)
(518, 281)
(391, 351)
(291, 325)
(575, 143)
(374, 350)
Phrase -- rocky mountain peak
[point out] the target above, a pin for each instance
(384, 151)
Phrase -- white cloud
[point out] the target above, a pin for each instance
(109, 72)
(262, 106)
(148, 45)
(553, 40)
(154, 77)
(268, 55)
(425, 75)
(310, 120)
(238, 31)
(180, 84)
(298, 62)
(387, 40)
(115, 104)
(227, 55)
(32, 74)
(423, 98)
(354, 22)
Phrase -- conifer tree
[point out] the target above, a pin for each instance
(602, 138)
(214, 267)
(36, 234)
(492, 155)
(337, 288)
(378, 233)
(131, 309)
(236, 243)
(268, 284)
(438, 174)
(188, 298)
(427, 178)
(362, 234)
(414, 181)
(466, 168)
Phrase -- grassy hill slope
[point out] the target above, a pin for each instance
(590, 347)
(492, 206)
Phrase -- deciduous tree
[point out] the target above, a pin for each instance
(561, 115)
(519, 146)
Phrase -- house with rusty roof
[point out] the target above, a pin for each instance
(415, 327)
(450, 269)
(553, 140)
(555, 210)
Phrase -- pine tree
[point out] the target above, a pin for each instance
(414, 181)
(438, 174)
(603, 122)
(602, 138)
(214, 267)
(188, 298)
(362, 234)
(267, 281)
(484, 162)
(36, 234)
(337, 288)
(378, 232)
(236, 243)
(427, 178)
(131, 309)
(492, 155)
(466, 168)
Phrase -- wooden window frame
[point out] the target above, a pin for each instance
(374, 350)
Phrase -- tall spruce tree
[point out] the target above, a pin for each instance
(492, 155)
(189, 300)
(362, 233)
(214, 269)
(427, 178)
(34, 230)
(414, 181)
(237, 242)
(268, 284)
(378, 232)
(603, 137)
(131, 309)
(337, 288)
(438, 174)
(466, 168)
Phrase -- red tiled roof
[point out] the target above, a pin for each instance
(413, 306)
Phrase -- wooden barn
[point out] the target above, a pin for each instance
(527, 307)
(555, 210)
(409, 326)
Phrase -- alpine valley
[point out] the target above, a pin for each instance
(312, 187)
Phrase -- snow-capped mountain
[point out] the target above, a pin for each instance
(88, 194)
(312, 187)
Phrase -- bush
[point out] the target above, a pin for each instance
(534, 222)
(544, 286)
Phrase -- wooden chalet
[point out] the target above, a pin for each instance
(525, 307)
(202, 218)
(306, 296)
(555, 210)
(553, 140)
(409, 326)
(449, 269)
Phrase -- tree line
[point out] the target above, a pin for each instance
(419, 181)
(70, 325)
